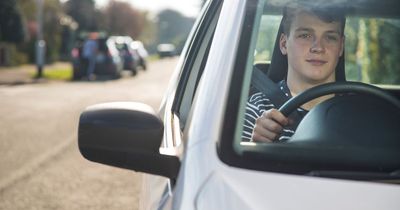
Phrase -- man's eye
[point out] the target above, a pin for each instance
(304, 36)
(332, 38)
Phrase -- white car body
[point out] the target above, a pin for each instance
(208, 183)
(204, 180)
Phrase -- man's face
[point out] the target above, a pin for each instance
(313, 48)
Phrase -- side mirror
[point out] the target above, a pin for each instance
(126, 135)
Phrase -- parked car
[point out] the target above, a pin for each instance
(345, 153)
(129, 55)
(166, 50)
(108, 61)
(142, 52)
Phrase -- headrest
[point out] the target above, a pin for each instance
(278, 69)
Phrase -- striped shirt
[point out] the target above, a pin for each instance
(259, 103)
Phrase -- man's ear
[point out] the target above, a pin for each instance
(282, 44)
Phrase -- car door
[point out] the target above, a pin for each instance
(158, 191)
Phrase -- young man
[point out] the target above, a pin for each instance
(313, 42)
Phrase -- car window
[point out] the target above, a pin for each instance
(194, 65)
(370, 56)
(268, 28)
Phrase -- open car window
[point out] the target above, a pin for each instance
(194, 63)
(341, 142)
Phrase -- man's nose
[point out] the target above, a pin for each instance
(317, 46)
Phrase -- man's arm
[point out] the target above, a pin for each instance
(256, 105)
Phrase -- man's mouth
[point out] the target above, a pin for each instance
(316, 62)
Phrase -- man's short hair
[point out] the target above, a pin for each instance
(326, 14)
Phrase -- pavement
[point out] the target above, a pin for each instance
(24, 74)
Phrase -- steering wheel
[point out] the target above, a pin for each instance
(356, 119)
(336, 87)
(350, 132)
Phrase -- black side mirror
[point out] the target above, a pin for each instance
(126, 135)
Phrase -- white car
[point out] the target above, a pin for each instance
(142, 52)
(128, 54)
(345, 154)
(166, 50)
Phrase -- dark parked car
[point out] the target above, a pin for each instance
(108, 61)
(345, 153)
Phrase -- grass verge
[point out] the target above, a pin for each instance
(56, 73)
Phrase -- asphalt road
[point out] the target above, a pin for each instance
(40, 164)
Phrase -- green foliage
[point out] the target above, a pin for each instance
(12, 55)
(169, 26)
(56, 74)
(371, 51)
(266, 37)
(11, 25)
(173, 27)
(149, 33)
(52, 30)
(389, 39)
(84, 13)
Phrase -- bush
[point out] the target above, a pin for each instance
(10, 56)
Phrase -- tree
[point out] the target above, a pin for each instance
(123, 19)
(173, 27)
(52, 12)
(149, 33)
(84, 13)
(11, 25)
(371, 55)
(52, 29)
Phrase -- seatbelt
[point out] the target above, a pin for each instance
(263, 83)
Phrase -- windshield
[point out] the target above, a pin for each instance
(312, 43)
(371, 45)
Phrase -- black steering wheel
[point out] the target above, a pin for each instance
(348, 132)
(335, 87)
(351, 119)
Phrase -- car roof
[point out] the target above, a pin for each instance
(365, 8)
(121, 39)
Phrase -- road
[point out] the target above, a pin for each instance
(40, 164)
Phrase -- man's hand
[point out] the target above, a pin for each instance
(269, 126)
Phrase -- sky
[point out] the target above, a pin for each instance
(188, 8)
